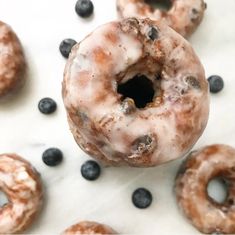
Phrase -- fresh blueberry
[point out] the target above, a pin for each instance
(47, 106)
(90, 170)
(142, 198)
(216, 83)
(66, 46)
(52, 157)
(84, 8)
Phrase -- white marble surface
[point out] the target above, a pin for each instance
(42, 25)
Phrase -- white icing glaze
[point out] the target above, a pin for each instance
(12, 61)
(184, 15)
(102, 63)
(22, 186)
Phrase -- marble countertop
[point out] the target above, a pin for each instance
(41, 26)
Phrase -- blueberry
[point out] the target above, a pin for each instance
(52, 157)
(216, 83)
(47, 106)
(90, 170)
(84, 8)
(153, 33)
(66, 46)
(142, 198)
(193, 82)
(142, 144)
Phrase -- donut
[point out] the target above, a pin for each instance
(23, 188)
(184, 16)
(206, 214)
(135, 94)
(12, 61)
(87, 227)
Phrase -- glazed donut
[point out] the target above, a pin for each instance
(113, 124)
(12, 61)
(87, 227)
(21, 184)
(207, 215)
(184, 16)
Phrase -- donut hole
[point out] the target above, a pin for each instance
(164, 5)
(3, 199)
(139, 88)
(217, 190)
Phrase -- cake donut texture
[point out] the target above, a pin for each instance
(87, 227)
(184, 16)
(23, 188)
(107, 79)
(207, 215)
(12, 61)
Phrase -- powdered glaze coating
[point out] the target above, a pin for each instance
(87, 227)
(12, 61)
(200, 167)
(162, 131)
(21, 184)
(184, 16)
